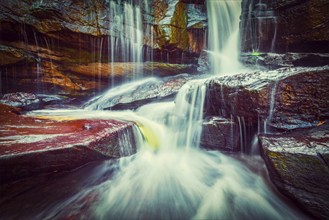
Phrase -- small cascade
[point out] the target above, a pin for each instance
(189, 112)
(126, 34)
(243, 134)
(268, 120)
(170, 177)
(254, 142)
(223, 38)
(129, 140)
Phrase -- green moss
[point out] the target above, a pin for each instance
(280, 163)
(179, 35)
(255, 53)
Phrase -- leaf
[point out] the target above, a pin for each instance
(321, 123)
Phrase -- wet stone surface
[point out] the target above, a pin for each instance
(30, 146)
(220, 134)
(140, 94)
(298, 164)
(289, 98)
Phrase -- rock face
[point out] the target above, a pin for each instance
(282, 26)
(299, 166)
(288, 98)
(220, 134)
(54, 43)
(31, 146)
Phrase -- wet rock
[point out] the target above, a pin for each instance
(42, 41)
(288, 98)
(9, 55)
(298, 164)
(31, 146)
(139, 93)
(23, 100)
(29, 101)
(285, 26)
(204, 63)
(179, 31)
(79, 79)
(220, 134)
(275, 61)
(107, 70)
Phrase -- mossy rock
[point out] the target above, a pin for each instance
(298, 166)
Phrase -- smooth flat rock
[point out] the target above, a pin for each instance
(30, 146)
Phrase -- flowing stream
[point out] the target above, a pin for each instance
(170, 177)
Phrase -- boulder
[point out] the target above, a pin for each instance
(286, 98)
(275, 60)
(29, 101)
(23, 100)
(220, 134)
(298, 164)
(31, 146)
(138, 93)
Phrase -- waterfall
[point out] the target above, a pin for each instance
(126, 35)
(180, 181)
(223, 37)
(170, 177)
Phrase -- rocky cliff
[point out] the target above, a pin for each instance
(75, 46)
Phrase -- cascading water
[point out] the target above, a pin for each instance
(223, 37)
(126, 34)
(170, 177)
